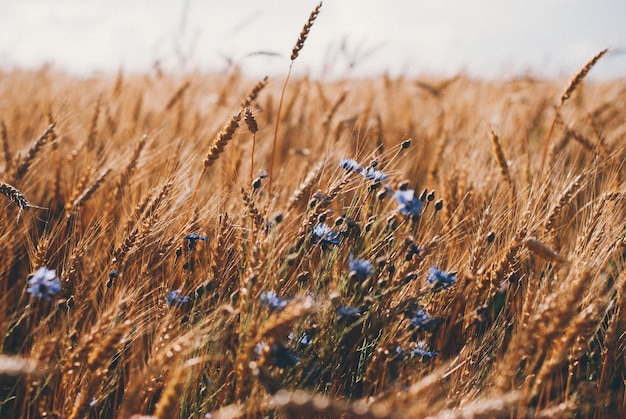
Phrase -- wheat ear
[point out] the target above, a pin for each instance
(501, 160)
(254, 93)
(23, 166)
(220, 141)
(578, 78)
(177, 96)
(304, 33)
(14, 195)
(93, 129)
(571, 87)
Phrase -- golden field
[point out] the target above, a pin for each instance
(311, 285)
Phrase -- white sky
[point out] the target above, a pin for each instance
(488, 38)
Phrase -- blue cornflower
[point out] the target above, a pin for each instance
(273, 301)
(349, 314)
(361, 268)
(304, 340)
(279, 355)
(174, 299)
(193, 239)
(421, 351)
(324, 236)
(372, 174)
(44, 283)
(440, 279)
(408, 203)
(349, 164)
(422, 320)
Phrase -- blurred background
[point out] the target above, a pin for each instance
(351, 38)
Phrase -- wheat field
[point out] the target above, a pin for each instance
(210, 246)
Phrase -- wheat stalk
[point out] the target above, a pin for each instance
(6, 151)
(294, 54)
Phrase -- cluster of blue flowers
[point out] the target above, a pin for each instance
(420, 351)
(440, 279)
(369, 173)
(44, 283)
(408, 203)
(360, 268)
(273, 301)
(174, 299)
(193, 238)
(348, 314)
(422, 320)
(324, 236)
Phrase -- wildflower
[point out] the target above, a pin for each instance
(278, 355)
(360, 268)
(44, 283)
(372, 174)
(193, 239)
(173, 299)
(421, 351)
(324, 236)
(273, 301)
(422, 320)
(348, 314)
(440, 279)
(408, 203)
(349, 164)
(304, 340)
